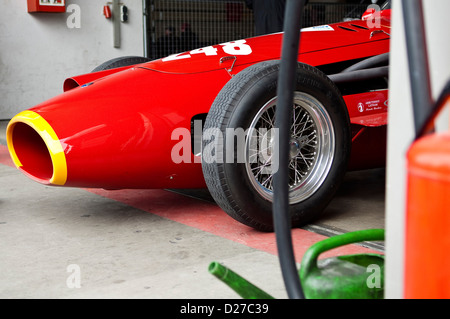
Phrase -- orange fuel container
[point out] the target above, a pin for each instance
(427, 245)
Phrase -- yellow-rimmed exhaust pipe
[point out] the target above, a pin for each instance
(35, 148)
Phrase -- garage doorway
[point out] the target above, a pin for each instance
(218, 21)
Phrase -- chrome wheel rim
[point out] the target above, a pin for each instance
(312, 148)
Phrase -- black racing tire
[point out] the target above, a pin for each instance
(120, 62)
(320, 147)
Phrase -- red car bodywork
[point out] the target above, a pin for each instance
(115, 129)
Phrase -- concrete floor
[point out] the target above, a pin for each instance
(151, 245)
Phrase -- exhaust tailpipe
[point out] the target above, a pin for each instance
(35, 149)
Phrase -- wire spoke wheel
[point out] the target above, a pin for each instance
(312, 147)
(320, 143)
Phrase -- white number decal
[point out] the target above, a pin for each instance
(178, 56)
(208, 51)
(236, 48)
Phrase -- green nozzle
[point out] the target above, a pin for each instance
(241, 286)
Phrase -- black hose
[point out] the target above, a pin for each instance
(369, 63)
(285, 97)
(434, 112)
(360, 75)
(419, 74)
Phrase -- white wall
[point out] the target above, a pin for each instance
(401, 132)
(38, 51)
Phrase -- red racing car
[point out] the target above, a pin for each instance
(205, 118)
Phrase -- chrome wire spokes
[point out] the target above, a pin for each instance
(311, 148)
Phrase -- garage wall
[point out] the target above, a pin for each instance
(38, 51)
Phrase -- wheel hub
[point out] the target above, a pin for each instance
(296, 145)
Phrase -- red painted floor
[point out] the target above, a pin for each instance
(208, 217)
